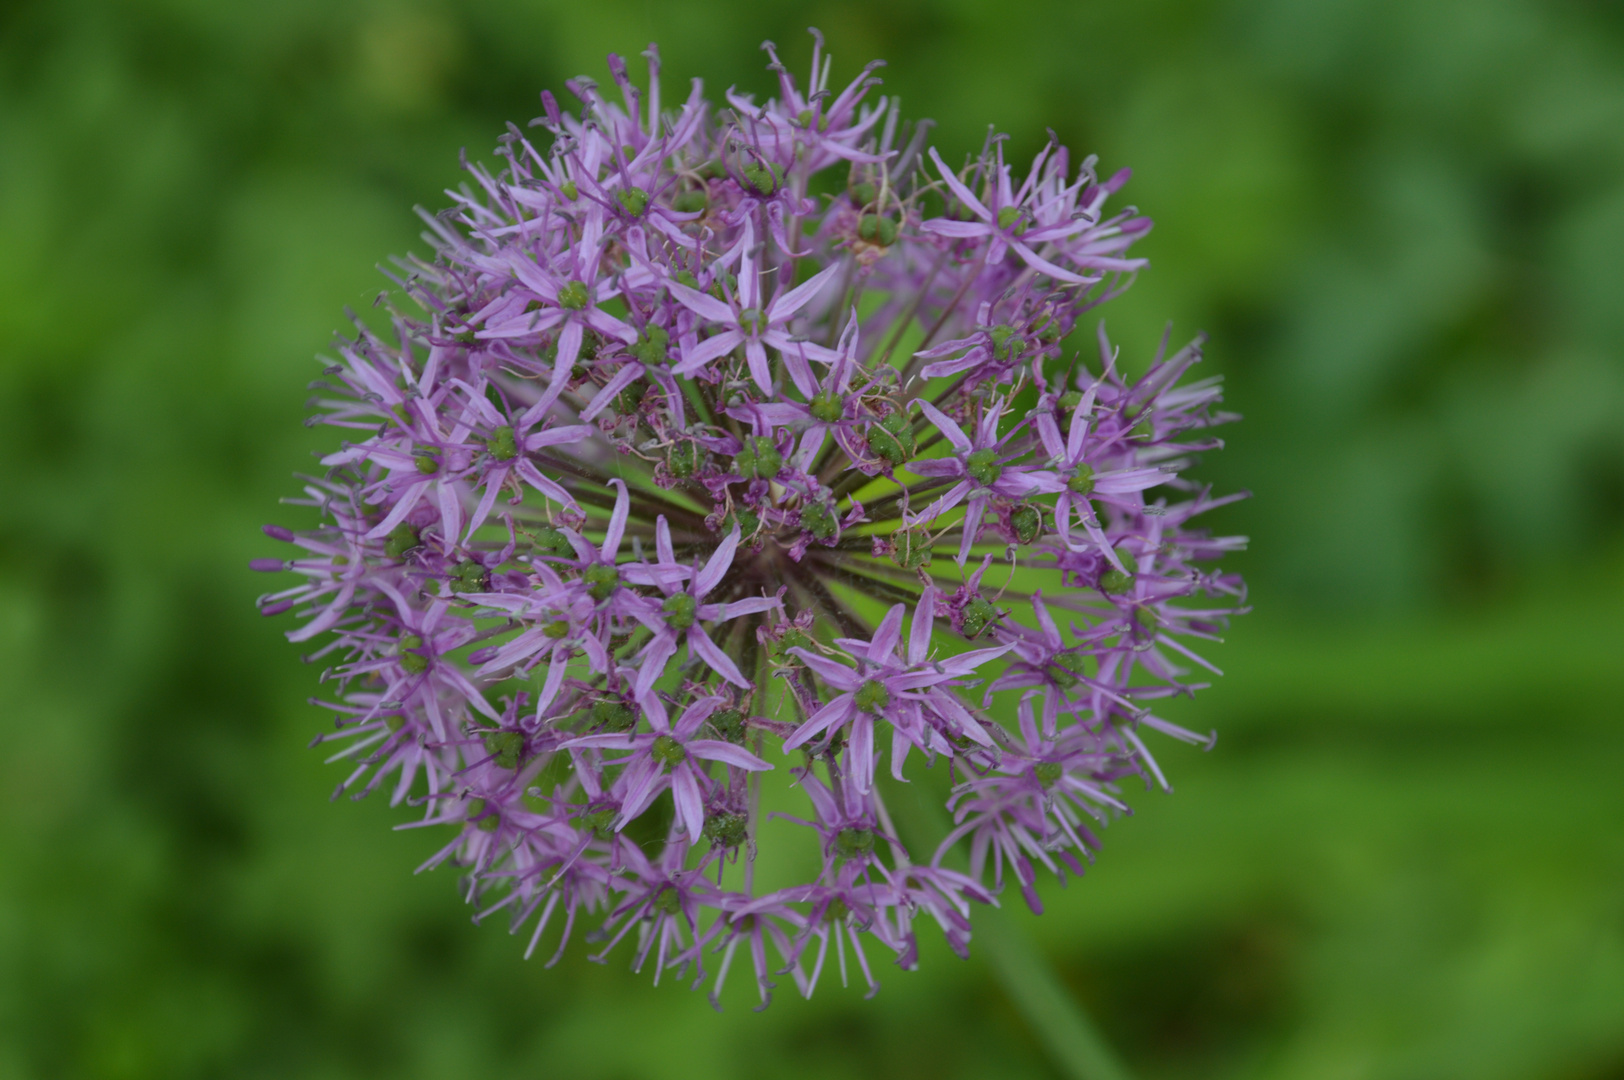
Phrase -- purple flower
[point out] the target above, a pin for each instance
(981, 468)
(945, 895)
(1034, 805)
(664, 758)
(636, 499)
(750, 322)
(750, 922)
(1092, 469)
(1005, 222)
(683, 613)
(839, 915)
(908, 692)
(566, 298)
(664, 902)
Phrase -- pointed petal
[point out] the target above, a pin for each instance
(555, 679)
(651, 664)
(798, 297)
(750, 606)
(839, 676)
(948, 501)
(720, 662)
(569, 349)
(861, 746)
(973, 513)
(800, 372)
(1079, 426)
(398, 512)
(933, 468)
(609, 326)
(1051, 632)
(956, 185)
(957, 229)
(900, 745)
(1049, 432)
(701, 304)
(623, 378)
(707, 350)
(1127, 481)
(727, 753)
(690, 805)
(568, 433)
(535, 478)
(493, 488)
(944, 424)
(662, 541)
(924, 622)
(755, 355)
(883, 646)
(617, 521)
(718, 565)
(1038, 262)
(829, 716)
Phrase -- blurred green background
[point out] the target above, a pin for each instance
(1402, 222)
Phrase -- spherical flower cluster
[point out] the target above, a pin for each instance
(739, 444)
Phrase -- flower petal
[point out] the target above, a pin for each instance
(946, 425)
(721, 559)
(831, 715)
(727, 753)
(720, 662)
(801, 295)
(701, 304)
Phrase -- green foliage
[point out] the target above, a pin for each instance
(1403, 226)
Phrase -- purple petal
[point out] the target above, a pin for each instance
(555, 679)
(617, 521)
(958, 229)
(643, 783)
(727, 753)
(724, 612)
(1037, 262)
(718, 565)
(883, 645)
(1049, 432)
(720, 662)
(839, 676)
(622, 379)
(690, 805)
(942, 505)
(798, 297)
(707, 350)
(652, 663)
(946, 426)
(973, 513)
(755, 355)
(569, 349)
(937, 467)
(923, 624)
(960, 192)
(706, 307)
(862, 751)
(568, 433)
(830, 715)
(662, 541)
(1127, 481)
(609, 326)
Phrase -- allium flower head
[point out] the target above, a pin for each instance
(733, 456)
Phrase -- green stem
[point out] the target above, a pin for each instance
(1074, 1044)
